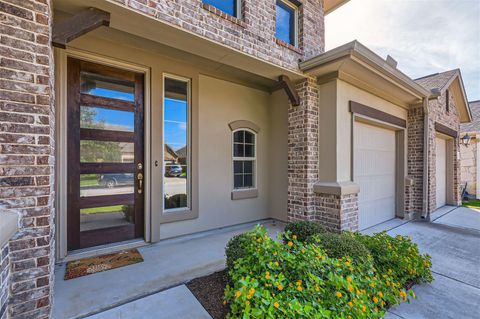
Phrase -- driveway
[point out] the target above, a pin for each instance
(453, 241)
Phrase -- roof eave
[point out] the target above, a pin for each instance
(332, 5)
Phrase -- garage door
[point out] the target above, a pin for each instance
(374, 172)
(441, 172)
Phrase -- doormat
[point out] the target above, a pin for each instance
(92, 265)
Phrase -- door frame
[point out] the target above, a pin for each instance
(61, 56)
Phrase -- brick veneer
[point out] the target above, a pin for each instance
(27, 158)
(4, 280)
(414, 192)
(253, 33)
(468, 166)
(439, 114)
(303, 152)
(337, 212)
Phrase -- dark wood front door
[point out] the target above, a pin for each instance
(105, 154)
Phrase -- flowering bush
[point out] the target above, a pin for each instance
(398, 257)
(298, 280)
(304, 229)
(342, 245)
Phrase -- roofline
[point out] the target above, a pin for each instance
(335, 5)
(358, 50)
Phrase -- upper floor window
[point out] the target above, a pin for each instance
(244, 159)
(231, 7)
(287, 22)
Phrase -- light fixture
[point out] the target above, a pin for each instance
(466, 139)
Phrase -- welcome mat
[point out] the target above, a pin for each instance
(92, 265)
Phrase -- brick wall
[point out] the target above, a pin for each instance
(303, 152)
(438, 113)
(415, 141)
(468, 166)
(253, 33)
(4, 280)
(26, 156)
(337, 213)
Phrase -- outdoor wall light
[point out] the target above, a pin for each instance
(466, 139)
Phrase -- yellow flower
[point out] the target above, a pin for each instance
(349, 279)
(251, 291)
(299, 282)
(364, 309)
(276, 305)
(280, 287)
(350, 288)
(238, 294)
(375, 299)
(294, 237)
(303, 250)
(372, 285)
(380, 294)
(299, 288)
(290, 244)
(347, 264)
(338, 294)
(350, 304)
(276, 263)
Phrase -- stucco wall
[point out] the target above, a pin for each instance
(335, 116)
(468, 166)
(220, 103)
(215, 104)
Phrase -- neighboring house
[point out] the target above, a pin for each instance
(469, 152)
(343, 137)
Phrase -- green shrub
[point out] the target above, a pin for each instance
(304, 229)
(235, 249)
(342, 245)
(398, 257)
(299, 280)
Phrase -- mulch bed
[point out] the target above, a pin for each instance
(209, 291)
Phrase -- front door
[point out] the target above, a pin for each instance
(104, 155)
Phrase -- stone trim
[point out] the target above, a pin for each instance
(288, 46)
(358, 108)
(239, 124)
(440, 128)
(244, 193)
(224, 15)
(336, 188)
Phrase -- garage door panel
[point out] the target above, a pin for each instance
(374, 172)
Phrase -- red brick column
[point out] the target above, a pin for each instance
(27, 151)
(303, 152)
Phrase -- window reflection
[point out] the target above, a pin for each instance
(176, 148)
(106, 119)
(99, 85)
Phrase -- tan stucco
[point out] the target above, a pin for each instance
(216, 102)
(335, 119)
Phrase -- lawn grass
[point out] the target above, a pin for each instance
(472, 203)
(88, 180)
(102, 210)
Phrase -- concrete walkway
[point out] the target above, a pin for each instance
(166, 264)
(453, 241)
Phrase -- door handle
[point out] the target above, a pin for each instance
(140, 182)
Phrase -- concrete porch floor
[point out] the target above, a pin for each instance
(166, 264)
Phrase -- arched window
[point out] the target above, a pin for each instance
(244, 158)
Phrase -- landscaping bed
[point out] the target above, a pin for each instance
(310, 273)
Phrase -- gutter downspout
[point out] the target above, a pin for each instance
(426, 181)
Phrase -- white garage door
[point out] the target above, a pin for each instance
(441, 172)
(374, 172)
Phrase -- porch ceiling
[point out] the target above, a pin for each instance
(140, 25)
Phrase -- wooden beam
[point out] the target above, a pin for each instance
(368, 111)
(440, 128)
(78, 25)
(285, 83)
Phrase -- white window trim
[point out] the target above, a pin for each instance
(254, 159)
(295, 22)
(189, 144)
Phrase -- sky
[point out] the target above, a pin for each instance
(424, 36)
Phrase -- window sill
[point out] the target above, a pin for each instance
(288, 46)
(224, 15)
(244, 193)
